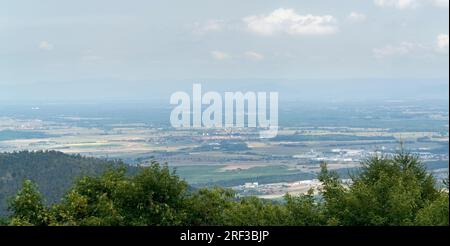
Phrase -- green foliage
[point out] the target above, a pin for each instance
(251, 211)
(4, 221)
(207, 206)
(54, 172)
(28, 208)
(304, 210)
(387, 191)
(435, 213)
(154, 196)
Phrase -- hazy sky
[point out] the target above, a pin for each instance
(123, 44)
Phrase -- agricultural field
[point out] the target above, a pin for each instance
(234, 157)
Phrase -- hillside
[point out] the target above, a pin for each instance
(388, 190)
(54, 172)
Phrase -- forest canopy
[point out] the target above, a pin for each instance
(388, 190)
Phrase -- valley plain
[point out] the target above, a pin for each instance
(342, 135)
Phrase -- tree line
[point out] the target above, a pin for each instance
(388, 190)
(54, 172)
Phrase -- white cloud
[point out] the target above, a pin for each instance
(399, 4)
(220, 55)
(409, 4)
(414, 49)
(402, 49)
(440, 3)
(356, 17)
(254, 56)
(208, 26)
(91, 58)
(45, 45)
(289, 22)
(442, 42)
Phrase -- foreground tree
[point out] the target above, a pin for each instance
(252, 211)
(387, 191)
(28, 207)
(206, 207)
(394, 190)
(304, 210)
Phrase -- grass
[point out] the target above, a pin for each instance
(195, 174)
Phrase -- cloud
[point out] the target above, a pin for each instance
(208, 26)
(402, 49)
(410, 4)
(91, 58)
(248, 55)
(220, 55)
(45, 45)
(440, 3)
(399, 4)
(442, 43)
(254, 56)
(287, 21)
(356, 17)
(414, 49)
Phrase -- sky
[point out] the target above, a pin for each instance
(123, 49)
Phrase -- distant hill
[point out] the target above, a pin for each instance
(52, 171)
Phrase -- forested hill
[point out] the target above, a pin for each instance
(54, 172)
(388, 190)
